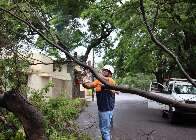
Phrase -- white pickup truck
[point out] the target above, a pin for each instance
(177, 89)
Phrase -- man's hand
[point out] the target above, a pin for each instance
(86, 83)
(85, 80)
(115, 92)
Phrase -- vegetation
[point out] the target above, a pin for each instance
(139, 80)
(59, 115)
(172, 22)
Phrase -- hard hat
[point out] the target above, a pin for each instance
(108, 67)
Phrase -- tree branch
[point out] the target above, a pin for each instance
(30, 117)
(2, 103)
(163, 47)
(47, 29)
(155, 17)
(96, 42)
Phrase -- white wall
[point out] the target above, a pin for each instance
(39, 76)
(37, 82)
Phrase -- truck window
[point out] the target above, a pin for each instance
(185, 89)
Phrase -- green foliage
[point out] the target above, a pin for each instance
(59, 115)
(139, 80)
(11, 128)
(173, 26)
(52, 18)
(13, 73)
(20, 135)
(99, 18)
(13, 67)
(38, 97)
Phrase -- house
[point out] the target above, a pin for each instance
(65, 79)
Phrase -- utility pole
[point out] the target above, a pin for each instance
(93, 90)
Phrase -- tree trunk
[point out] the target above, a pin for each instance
(160, 78)
(154, 97)
(30, 117)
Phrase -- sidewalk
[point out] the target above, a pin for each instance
(89, 98)
(88, 120)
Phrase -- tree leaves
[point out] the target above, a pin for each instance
(135, 51)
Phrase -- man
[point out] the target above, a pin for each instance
(105, 101)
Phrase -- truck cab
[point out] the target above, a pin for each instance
(177, 89)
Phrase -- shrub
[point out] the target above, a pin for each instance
(59, 115)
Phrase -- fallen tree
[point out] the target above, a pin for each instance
(30, 117)
(145, 94)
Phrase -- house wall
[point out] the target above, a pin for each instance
(37, 82)
(39, 76)
(41, 68)
(63, 74)
(69, 86)
(58, 88)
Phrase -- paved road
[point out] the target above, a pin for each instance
(134, 121)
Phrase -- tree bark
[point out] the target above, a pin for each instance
(29, 116)
(154, 97)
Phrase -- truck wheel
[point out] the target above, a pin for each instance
(164, 114)
(171, 117)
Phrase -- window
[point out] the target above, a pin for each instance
(185, 89)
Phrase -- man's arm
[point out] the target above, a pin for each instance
(88, 85)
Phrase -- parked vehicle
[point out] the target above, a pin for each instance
(177, 89)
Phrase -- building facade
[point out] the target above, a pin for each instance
(64, 78)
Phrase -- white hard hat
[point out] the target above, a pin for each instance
(110, 68)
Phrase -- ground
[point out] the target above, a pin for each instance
(134, 121)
